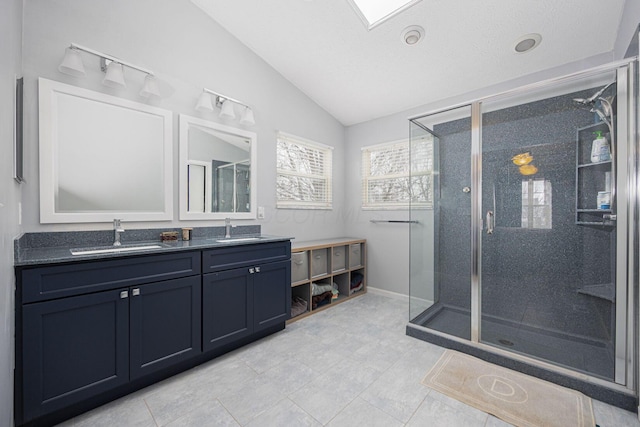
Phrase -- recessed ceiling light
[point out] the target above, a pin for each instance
(412, 35)
(527, 42)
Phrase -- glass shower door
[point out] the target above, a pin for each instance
(549, 236)
(440, 234)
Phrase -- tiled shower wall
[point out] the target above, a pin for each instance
(529, 276)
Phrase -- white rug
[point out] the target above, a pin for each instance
(509, 395)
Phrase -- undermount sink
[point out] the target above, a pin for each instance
(238, 239)
(112, 249)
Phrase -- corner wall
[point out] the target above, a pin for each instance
(10, 195)
(628, 29)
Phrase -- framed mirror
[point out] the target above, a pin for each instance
(102, 157)
(217, 170)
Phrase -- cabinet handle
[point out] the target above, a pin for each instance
(257, 269)
(124, 294)
(252, 270)
(135, 292)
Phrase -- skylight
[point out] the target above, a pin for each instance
(375, 12)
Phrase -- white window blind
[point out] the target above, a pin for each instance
(396, 175)
(304, 170)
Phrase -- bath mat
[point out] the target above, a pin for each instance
(509, 395)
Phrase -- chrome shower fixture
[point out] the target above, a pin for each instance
(604, 111)
(594, 97)
(600, 114)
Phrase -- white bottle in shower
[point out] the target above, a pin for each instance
(600, 151)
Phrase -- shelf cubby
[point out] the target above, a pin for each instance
(336, 261)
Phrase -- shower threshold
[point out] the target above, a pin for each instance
(445, 319)
(586, 355)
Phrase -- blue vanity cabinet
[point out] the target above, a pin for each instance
(164, 324)
(113, 325)
(247, 290)
(227, 307)
(72, 349)
(271, 294)
(88, 332)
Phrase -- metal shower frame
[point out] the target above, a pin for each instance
(628, 116)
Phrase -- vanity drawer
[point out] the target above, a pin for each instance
(355, 255)
(228, 257)
(45, 283)
(320, 262)
(339, 258)
(299, 266)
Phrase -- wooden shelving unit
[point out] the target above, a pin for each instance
(340, 263)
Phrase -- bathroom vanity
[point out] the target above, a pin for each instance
(93, 328)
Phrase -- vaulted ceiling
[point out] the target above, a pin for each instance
(356, 74)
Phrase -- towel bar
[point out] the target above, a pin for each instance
(395, 221)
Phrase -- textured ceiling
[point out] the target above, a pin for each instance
(324, 49)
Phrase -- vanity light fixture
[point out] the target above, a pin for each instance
(113, 67)
(247, 117)
(114, 75)
(226, 105)
(226, 110)
(150, 87)
(72, 63)
(204, 102)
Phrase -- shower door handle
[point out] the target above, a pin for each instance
(490, 222)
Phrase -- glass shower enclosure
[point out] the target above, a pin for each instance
(527, 249)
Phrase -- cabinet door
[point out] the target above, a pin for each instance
(227, 312)
(73, 349)
(165, 324)
(271, 294)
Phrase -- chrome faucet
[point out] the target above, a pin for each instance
(227, 228)
(117, 230)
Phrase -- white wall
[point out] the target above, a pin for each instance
(10, 193)
(187, 50)
(628, 28)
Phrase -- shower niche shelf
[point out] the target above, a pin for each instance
(591, 178)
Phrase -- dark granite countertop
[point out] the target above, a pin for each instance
(33, 251)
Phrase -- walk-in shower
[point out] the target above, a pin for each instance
(527, 254)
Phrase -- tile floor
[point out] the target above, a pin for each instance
(350, 365)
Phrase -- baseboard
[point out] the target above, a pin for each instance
(388, 294)
(398, 296)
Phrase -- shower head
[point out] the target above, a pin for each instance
(594, 97)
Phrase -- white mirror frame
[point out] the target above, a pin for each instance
(185, 122)
(50, 93)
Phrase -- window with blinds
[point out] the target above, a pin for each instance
(304, 170)
(536, 203)
(397, 175)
